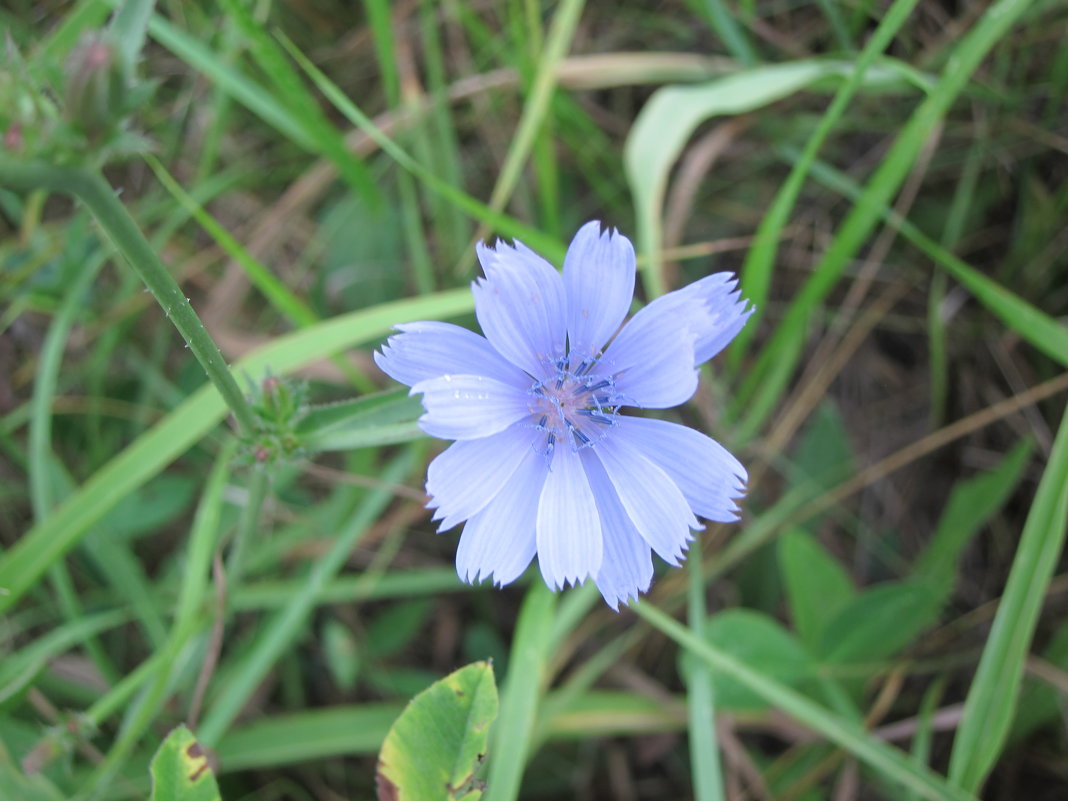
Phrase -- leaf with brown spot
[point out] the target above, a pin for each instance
(181, 771)
(434, 749)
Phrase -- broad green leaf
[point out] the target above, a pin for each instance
(879, 622)
(817, 587)
(991, 700)
(762, 645)
(435, 747)
(180, 770)
(971, 504)
(824, 456)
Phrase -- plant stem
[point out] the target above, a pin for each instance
(250, 518)
(91, 188)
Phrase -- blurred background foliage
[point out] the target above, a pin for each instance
(296, 161)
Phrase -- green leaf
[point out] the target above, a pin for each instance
(824, 456)
(880, 622)
(180, 770)
(817, 587)
(762, 645)
(843, 731)
(342, 654)
(434, 748)
(971, 504)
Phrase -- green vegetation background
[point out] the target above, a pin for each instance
(890, 180)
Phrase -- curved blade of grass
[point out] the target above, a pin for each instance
(991, 701)
(667, 121)
(883, 758)
(756, 272)
(50, 539)
(769, 377)
(523, 688)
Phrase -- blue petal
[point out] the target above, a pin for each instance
(469, 474)
(708, 475)
(627, 565)
(710, 310)
(652, 361)
(521, 307)
(430, 349)
(501, 540)
(599, 279)
(569, 538)
(654, 502)
(469, 406)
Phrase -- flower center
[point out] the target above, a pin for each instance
(577, 406)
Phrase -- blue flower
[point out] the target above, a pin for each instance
(544, 461)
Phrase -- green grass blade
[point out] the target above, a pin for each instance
(276, 292)
(245, 91)
(886, 760)
(723, 24)
(700, 697)
(561, 32)
(523, 687)
(47, 541)
(667, 121)
(1033, 325)
(502, 223)
(759, 265)
(289, 623)
(20, 668)
(991, 700)
(286, 83)
(129, 26)
(769, 377)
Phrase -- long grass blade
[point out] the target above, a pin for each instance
(991, 700)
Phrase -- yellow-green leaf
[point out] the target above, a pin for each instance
(435, 747)
(180, 770)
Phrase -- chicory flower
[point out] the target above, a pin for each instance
(544, 461)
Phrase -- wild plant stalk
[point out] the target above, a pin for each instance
(99, 197)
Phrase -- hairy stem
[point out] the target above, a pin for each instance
(99, 197)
